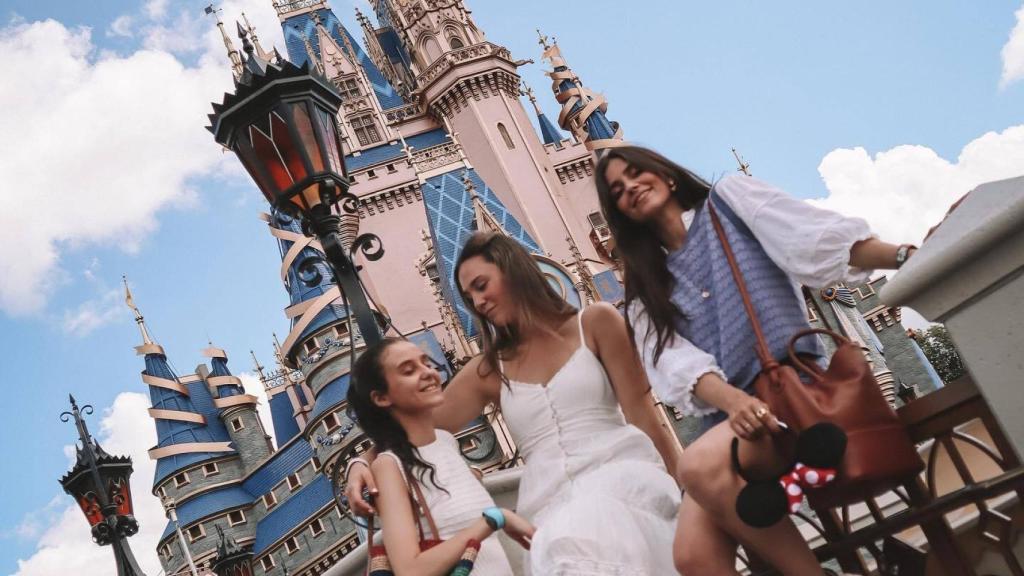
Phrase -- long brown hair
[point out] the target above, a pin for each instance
(644, 259)
(379, 423)
(534, 299)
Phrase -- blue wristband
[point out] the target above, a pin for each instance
(494, 517)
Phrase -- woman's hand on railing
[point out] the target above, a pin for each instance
(359, 483)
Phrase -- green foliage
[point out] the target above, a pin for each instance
(938, 347)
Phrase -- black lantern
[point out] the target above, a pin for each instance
(281, 123)
(99, 483)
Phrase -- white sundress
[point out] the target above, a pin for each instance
(594, 486)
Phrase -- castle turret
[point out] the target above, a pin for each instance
(471, 86)
(583, 111)
(548, 132)
(198, 469)
(314, 35)
(185, 434)
(237, 410)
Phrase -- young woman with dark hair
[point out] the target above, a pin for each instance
(689, 325)
(394, 391)
(576, 400)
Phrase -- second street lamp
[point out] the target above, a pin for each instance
(281, 123)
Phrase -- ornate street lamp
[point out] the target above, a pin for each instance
(281, 123)
(99, 483)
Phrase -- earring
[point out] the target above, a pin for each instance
(672, 185)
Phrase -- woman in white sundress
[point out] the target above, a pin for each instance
(576, 400)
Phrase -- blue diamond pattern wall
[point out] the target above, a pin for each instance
(451, 217)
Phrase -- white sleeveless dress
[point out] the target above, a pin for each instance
(594, 486)
(465, 501)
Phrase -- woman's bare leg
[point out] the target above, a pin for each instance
(707, 473)
(701, 548)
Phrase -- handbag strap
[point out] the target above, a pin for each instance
(419, 504)
(761, 346)
(426, 509)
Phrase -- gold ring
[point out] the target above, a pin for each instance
(760, 412)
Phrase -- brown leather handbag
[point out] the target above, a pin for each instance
(879, 453)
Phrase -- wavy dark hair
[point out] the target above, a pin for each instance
(378, 423)
(645, 268)
(530, 291)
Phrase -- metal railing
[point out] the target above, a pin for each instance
(956, 514)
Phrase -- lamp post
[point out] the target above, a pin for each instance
(172, 514)
(99, 483)
(281, 123)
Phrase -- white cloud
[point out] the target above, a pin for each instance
(252, 385)
(122, 27)
(1013, 52)
(103, 144)
(904, 191)
(64, 545)
(156, 9)
(94, 313)
(105, 141)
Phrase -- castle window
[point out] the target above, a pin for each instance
(162, 492)
(237, 424)
(269, 500)
(210, 469)
(365, 129)
(235, 518)
(350, 88)
(291, 545)
(391, 169)
(505, 136)
(330, 422)
(316, 463)
(316, 527)
(181, 480)
(195, 533)
(455, 42)
(310, 346)
(432, 273)
(294, 482)
(371, 174)
(267, 562)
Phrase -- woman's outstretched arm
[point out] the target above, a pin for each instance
(466, 397)
(607, 329)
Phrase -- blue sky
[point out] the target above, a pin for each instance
(798, 92)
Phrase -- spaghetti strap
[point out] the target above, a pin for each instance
(579, 320)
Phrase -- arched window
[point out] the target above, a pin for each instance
(455, 42)
(430, 49)
(505, 136)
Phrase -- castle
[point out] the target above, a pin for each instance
(438, 144)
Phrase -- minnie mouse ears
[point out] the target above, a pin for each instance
(819, 452)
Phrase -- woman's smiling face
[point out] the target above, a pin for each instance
(637, 194)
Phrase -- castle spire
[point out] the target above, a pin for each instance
(485, 220)
(257, 366)
(744, 166)
(310, 52)
(548, 132)
(583, 111)
(233, 55)
(584, 278)
(148, 345)
(255, 40)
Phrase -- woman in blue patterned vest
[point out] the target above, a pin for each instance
(693, 334)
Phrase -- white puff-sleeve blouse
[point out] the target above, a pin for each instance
(811, 244)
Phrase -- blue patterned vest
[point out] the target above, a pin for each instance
(715, 319)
